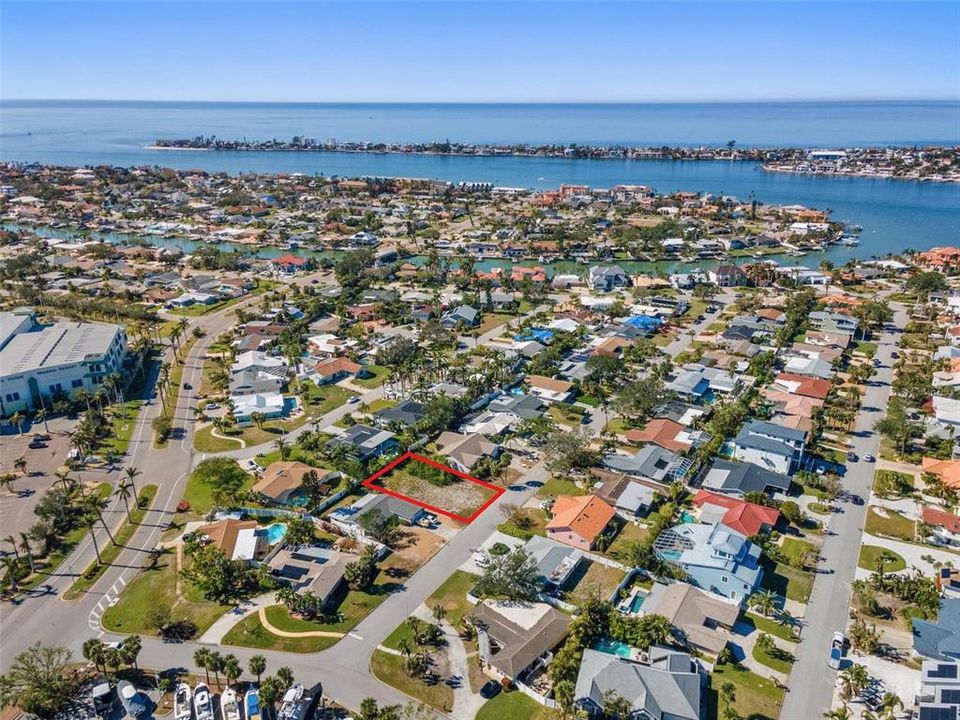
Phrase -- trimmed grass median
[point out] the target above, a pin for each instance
(251, 633)
(870, 556)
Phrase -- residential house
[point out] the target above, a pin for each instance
(516, 639)
(744, 517)
(579, 521)
(740, 479)
(463, 315)
(728, 276)
(947, 471)
(257, 372)
(364, 442)
(404, 414)
(526, 407)
(802, 385)
(939, 639)
(462, 452)
(240, 540)
(811, 366)
(667, 687)
(329, 345)
(334, 370)
(317, 570)
(939, 696)
(282, 480)
(490, 424)
(714, 558)
(667, 434)
(548, 389)
(944, 526)
(290, 264)
(680, 412)
(630, 497)
(269, 406)
(652, 462)
(770, 446)
(555, 561)
(602, 278)
(833, 322)
(701, 384)
(347, 517)
(702, 620)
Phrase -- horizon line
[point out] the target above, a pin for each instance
(732, 101)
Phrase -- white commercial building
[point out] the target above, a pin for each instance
(41, 362)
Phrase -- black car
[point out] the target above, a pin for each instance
(856, 500)
(187, 386)
(851, 457)
(36, 444)
(490, 689)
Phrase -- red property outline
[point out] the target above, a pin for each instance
(370, 483)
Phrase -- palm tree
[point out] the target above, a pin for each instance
(20, 465)
(258, 418)
(257, 666)
(11, 567)
(216, 664)
(231, 669)
(25, 546)
(97, 505)
(13, 543)
(63, 477)
(202, 660)
(17, 419)
(281, 444)
(285, 675)
(91, 523)
(41, 416)
(123, 492)
(889, 705)
(7, 480)
(840, 713)
(132, 472)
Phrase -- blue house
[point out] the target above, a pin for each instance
(940, 639)
(714, 557)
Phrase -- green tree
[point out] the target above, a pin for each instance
(41, 681)
(514, 576)
(360, 573)
(257, 666)
(569, 451)
(637, 400)
(225, 478)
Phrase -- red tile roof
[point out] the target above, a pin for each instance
(941, 518)
(744, 517)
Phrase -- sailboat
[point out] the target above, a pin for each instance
(229, 707)
(251, 702)
(182, 707)
(202, 703)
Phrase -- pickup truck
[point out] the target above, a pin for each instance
(836, 650)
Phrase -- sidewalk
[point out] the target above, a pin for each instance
(215, 633)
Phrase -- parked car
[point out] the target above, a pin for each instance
(35, 444)
(352, 400)
(187, 386)
(869, 458)
(836, 650)
(490, 689)
(851, 457)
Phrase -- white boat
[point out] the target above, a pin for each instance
(202, 703)
(251, 704)
(289, 708)
(229, 707)
(182, 707)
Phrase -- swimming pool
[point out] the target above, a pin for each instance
(275, 533)
(613, 647)
(688, 518)
(637, 602)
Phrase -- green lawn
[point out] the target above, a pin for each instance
(756, 697)
(628, 534)
(779, 660)
(356, 605)
(894, 525)
(819, 508)
(251, 633)
(515, 706)
(592, 579)
(525, 523)
(389, 668)
(865, 348)
(175, 382)
(157, 587)
(890, 483)
(452, 595)
(381, 404)
(870, 554)
(111, 551)
(787, 581)
(560, 486)
(321, 399)
(126, 420)
(617, 426)
(200, 495)
(769, 626)
(796, 549)
(378, 374)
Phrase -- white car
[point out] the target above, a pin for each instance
(481, 559)
(352, 400)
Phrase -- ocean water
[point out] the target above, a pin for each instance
(895, 214)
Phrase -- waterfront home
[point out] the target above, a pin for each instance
(314, 569)
(704, 621)
(555, 561)
(666, 687)
(578, 521)
(239, 540)
(651, 462)
(363, 442)
(548, 389)
(728, 276)
(270, 405)
(606, 278)
(516, 640)
(713, 557)
(744, 517)
(290, 264)
(257, 372)
(741, 478)
(283, 479)
(833, 322)
(770, 446)
(462, 452)
(940, 638)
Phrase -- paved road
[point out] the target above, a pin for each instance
(812, 681)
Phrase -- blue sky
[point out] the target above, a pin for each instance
(451, 52)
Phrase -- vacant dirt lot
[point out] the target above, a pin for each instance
(461, 497)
